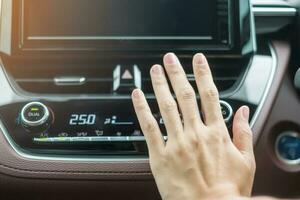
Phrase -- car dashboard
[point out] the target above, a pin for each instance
(67, 125)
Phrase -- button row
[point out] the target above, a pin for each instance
(92, 139)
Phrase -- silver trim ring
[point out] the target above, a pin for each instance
(279, 156)
(34, 123)
(229, 107)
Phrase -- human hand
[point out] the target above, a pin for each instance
(199, 160)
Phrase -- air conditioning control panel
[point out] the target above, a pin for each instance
(83, 126)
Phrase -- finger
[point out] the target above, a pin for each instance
(147, 122)
(184, 92)
(242, 134)
(167, 104)
(208, 90)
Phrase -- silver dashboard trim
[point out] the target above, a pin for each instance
(274, 11)
(268, 86)
(31, 156)
(69, 80)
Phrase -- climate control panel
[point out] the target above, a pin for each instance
(85, 125)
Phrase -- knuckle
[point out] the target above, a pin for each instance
(246, 131)
(194, 121)
(150, 126)
(194, 142)
(174, 69)
(187, 93)
(202, 70)
(179, 149)
(211, 93)
(219, 136)
(159, 81)
(142, 107)
(169, 105)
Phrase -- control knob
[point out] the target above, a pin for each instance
(35, 117)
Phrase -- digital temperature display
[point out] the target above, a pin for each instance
(82, 119)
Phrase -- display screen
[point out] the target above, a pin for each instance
(121, 19)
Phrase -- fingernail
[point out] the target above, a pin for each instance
(170, 58)
(246, 113)
(199, 59)
(157, 69)
(136, 94)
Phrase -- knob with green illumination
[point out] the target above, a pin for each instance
(35, 117)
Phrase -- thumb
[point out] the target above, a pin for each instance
(242, 133)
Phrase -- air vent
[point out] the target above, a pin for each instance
(54, 77)
(226, 73)
(57, 77)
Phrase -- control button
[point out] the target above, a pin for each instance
(287, 148)
(126, 78)
(35, 117)
(227, 111)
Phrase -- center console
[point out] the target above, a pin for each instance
(70, 66)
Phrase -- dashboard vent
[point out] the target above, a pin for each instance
(226, 73)
(78, 77)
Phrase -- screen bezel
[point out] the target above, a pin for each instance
(23, 45)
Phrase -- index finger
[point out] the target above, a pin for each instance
(207, 89)
(148, 123)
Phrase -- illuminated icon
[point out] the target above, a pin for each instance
(99, 133)
(107, 121)
(34, 114)
(63, 134)
(82, 134)
(113, 121)
(127, 75)
(119, 134)
(34, 109)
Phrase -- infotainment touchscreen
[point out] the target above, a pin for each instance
(122, 19)
(122, 25)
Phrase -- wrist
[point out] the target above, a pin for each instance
(224, 192)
